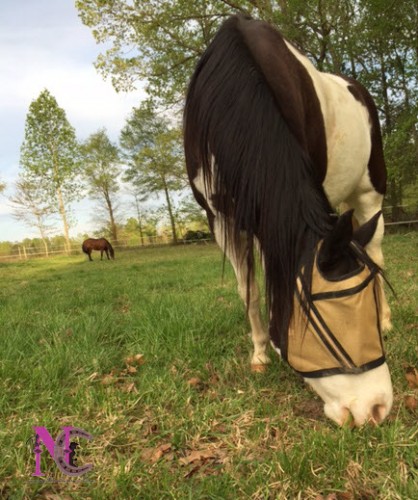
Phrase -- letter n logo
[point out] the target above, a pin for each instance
(59, 449)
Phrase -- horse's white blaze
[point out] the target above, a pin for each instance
(367, 396)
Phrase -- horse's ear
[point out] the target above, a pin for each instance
(336, 242)
(365, 233)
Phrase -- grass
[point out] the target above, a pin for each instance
(188, 419)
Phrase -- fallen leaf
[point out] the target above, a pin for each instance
(132, 369)
(128, 388)
(154, 454)
(411, 376)
(411, 402)
(258, 368)
(139, 359)
(214, 455)
(108, 380)
(196, 383)
(197, 455)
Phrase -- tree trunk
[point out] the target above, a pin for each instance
(64, 220)
(113, 228)
(141, 232)
(170, 211)
(46, 247)
(43, 235)
(43, 238)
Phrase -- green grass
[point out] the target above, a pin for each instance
(192, 421)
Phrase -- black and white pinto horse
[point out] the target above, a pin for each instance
(272, 146)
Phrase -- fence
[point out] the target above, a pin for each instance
(406, 218)
(24, 252)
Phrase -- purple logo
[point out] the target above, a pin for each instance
(62, 450)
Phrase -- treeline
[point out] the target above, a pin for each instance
(56, 170)
(130, 235)
(374, 41)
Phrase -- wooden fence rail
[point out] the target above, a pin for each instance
(24, 253)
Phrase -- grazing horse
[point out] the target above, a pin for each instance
(98, 244)
(272, 147)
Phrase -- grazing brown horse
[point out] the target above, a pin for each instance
(98, 244)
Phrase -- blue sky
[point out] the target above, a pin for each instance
(43, 44)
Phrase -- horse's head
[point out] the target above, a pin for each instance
(334, 339)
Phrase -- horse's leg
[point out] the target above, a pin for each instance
(238, 258)
(89, 254)
(107, 253)
(101, 254)
(366, 204)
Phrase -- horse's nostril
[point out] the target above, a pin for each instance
(378, 413)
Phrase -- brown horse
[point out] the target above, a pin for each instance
(98, 244)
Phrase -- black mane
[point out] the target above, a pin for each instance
(264, 180)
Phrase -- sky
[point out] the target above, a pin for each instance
(44, 45)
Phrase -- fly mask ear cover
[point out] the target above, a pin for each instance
(339, 331)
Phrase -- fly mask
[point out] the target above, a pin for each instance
(335, 327)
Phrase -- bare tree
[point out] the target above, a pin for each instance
(31, 207)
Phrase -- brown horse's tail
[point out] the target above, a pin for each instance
(83, 247)
(111, 251)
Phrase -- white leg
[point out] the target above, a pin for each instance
(238, 259)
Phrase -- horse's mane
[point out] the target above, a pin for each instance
(264, 180)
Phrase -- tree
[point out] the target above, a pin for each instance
(191, 216)
(374, 41)
(50, 154)
(31, 207)
(154, 156)
(102, 168)
(164, 39)
(2, 187)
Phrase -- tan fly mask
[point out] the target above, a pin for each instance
(335, 329)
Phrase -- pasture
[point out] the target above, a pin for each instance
(187, 418)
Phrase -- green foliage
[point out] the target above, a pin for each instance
(190, 215)
(101, 164)
(371, 40)
(101, 170)
(154, 156)
(50, 151)
(50, 155)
